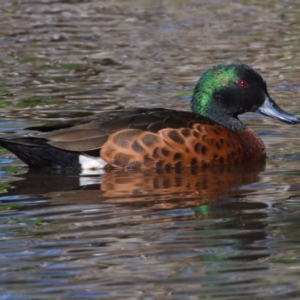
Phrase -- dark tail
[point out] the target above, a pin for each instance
(36, 153)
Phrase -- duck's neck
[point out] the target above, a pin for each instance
(232, 123)
(217, 114)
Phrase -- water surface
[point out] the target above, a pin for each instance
(226, 233)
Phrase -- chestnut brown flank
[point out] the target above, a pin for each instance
(202, 144)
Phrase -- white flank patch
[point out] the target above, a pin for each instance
(91, 166)
(91, 163)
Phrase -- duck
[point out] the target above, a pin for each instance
(160, 138)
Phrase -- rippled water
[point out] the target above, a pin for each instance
(222, 233)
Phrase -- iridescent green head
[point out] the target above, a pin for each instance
(226, 91)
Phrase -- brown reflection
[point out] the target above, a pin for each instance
(119, 203)
(189, 184)
(163, 189)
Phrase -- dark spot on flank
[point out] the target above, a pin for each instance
(159, 170)
(137, 147)
(168, 167)
(120, 141)
(204, 150)
(175, 136)
(160, 164)
(155, 153)
(215, 157)
(216, 131)
(147, 160)
(133, 165)
(218, 146)
(178, 167)
(196, 134)
(150, 139)
(165, 152)
(124, 137)
(194, 161)
(178, 156)
(221, 141)
(198, 148)
(185, 132)
(221, 160)
(121, 159)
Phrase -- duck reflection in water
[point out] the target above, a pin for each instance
(193, 200)
(187, 187)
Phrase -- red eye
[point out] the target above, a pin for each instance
(243, 84)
